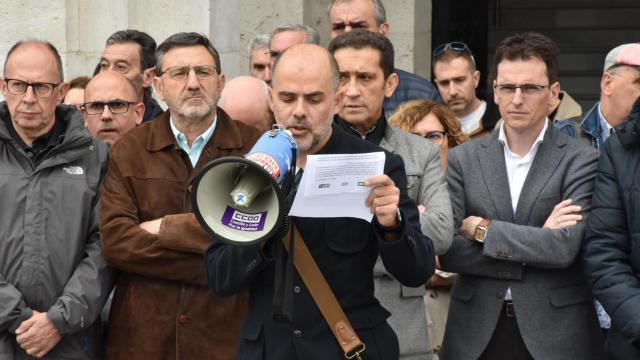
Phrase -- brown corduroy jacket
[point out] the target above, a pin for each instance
(162, 308)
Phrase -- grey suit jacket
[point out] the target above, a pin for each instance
(552, 301)
(426, 186)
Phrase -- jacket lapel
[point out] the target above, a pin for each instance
(387, 141)
(494, 171)
(226, 138)
(544, 165)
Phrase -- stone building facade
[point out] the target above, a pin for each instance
(79, 28)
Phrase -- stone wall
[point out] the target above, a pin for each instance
(79, 28)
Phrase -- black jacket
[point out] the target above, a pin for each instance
(612, 244)
(346, 250)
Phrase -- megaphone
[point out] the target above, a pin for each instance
(240, 200)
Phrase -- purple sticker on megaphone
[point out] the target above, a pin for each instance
(243, 221)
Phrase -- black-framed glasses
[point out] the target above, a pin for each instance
(435, 136)
(181, 73)
(115, 106)
(509, 90)
(457, 46)
(40, 89)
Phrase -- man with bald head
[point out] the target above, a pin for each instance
(110, 106)
(304, 99)
(53, 278)
(246, 99)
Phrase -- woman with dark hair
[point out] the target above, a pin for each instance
(436, 123)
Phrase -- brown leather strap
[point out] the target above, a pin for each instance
(324, 297)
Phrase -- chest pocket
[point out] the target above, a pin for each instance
(157, 197)
(347, 236)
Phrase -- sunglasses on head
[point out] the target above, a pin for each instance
(455, 46)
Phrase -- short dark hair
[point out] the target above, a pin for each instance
(146, 42)
(44, 43)
(183, 39)
(526, 46)
(360, 39)
(449, 55)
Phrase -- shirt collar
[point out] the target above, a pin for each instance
(202, 139)
(502, 137)
(375, 134)
(604, 124)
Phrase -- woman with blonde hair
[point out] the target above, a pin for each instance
(436, 123)
(433, 121)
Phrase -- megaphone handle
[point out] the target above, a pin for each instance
(288, 187)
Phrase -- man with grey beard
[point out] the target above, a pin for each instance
(161, 307)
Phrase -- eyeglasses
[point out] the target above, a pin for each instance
(527, 90)
(40, 89)
(181, 73)
(455, 46)
(115, 107)
(436, 137)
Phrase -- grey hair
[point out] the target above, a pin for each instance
(44, 43)
(380, 12)
(259, 42)
(184, 39)
(311, 34)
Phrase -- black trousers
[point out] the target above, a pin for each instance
(506, 342)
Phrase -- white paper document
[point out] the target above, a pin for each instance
(333, 185)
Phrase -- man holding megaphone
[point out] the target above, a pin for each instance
(304, 99)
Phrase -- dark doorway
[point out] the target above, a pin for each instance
(466, 21)
(585, 31)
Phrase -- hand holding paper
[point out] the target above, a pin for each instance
(336, 185)
(383, 199)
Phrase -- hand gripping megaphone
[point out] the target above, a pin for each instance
(241, 200)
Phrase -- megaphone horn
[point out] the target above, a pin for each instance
(239, 199)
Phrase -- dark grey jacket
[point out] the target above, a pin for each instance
(612, 243)
(50, 255)
(552, 301)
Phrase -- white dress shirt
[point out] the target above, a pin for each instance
(518, 168)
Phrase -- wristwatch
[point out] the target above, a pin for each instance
(481, 231)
